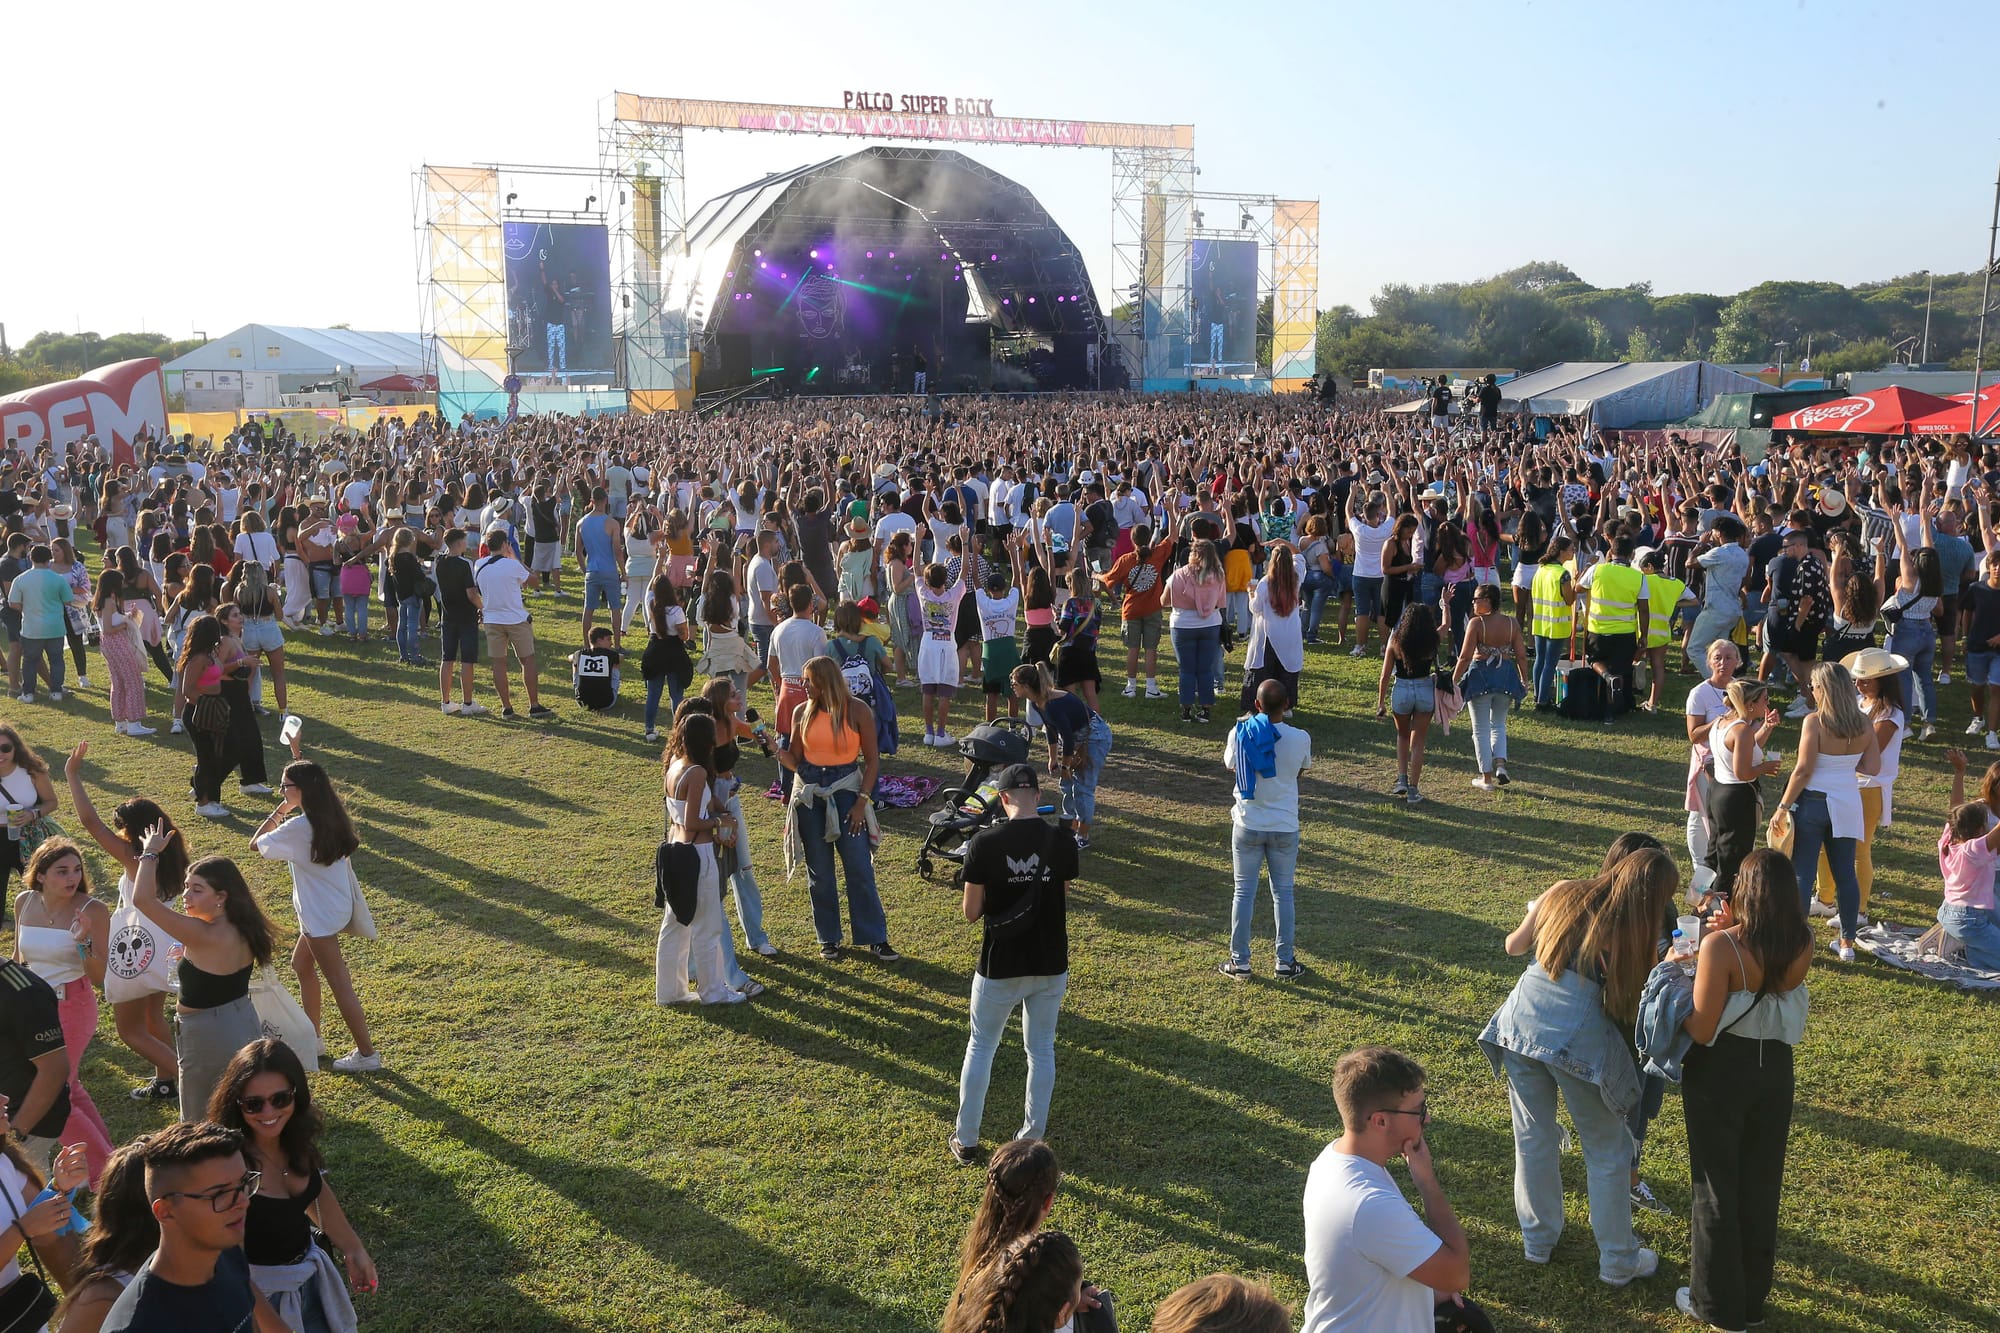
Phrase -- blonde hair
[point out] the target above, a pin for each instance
(826, 695)
(1838, 702)
(1610, 922)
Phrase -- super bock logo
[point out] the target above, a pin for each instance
(132, 950)
(1814, 416)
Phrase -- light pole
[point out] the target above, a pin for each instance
(1930, 289)
(1782, 345)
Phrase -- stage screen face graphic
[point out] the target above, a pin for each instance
(1222, 288)
(559, 302)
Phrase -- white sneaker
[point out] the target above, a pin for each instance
(767, 949)
(449, 708)
(1153, 692)
(27, 696)
(255, 789)
(83, 682)
(1928, 732)
(326, 629)
(1974, 727)
(652, 736)
(1684, 1302)
(1485, 783)
(1944, 677)
(1355, 651)
(472, 710)
(1131, 689)
(1993, 740)
(354, 1062)
(55, 696)
(1647, 1265)
(180, 727)
(213, 810)
(1820, 910)
(945, 740)
(138, 729)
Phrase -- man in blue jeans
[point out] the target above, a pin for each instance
(1267, 757)
(600, 547)
(1016, 879)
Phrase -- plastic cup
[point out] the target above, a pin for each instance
(290, 731)
(1690, 930)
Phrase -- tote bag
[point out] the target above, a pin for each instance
(140, 956)
(281, 1018)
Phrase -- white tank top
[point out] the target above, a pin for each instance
(50, 953)
(1725, 772)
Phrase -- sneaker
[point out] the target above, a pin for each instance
(1083, 844)
(1131, 689)
(472, 710)
(179, 728)
(945, 741)
(1842, 949)
(83, 682)
(450, 709)
(1291, 971)
(1234, 971)
(1974, 727)
(157, 1090)
(1799, 708)
(354, 1062)
(964, 1154)
(1534, 1256)
(27, 696)
(1928, 732)
(256, 789)
(213, 810)
(752, 989)
(1642, 1197)
(884, 954)
(1153, 692)
(260, 710)
(1684, 1302)
(652, 736)
(768, 949)
(1993, 740)
(1861, 919)
(1201, 715)
(1187, 714)
(1648, 1264)
(1413, 796)
(326, 630)
(1944, 677)
(1500, 775)
(830, 952)
(1355, 651)
(1820, 910)
(509, 714)
(139, 729)
(1484, 783)
(541, 710)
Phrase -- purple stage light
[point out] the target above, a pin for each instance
(1031, 300)
(994, 258)
(871, 254)
(892, 254)
(1006, 300)
(784, 277)
(815, 254)
(763, 263)
(942, 258)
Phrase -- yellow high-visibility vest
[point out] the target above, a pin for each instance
(1614, 599)
(1554, 618)
(1664, 594)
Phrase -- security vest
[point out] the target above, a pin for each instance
(1665, 594)
(1554, 618)
(1614, 599)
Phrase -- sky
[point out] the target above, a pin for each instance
(187, 171)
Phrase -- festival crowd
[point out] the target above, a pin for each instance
(786, 578)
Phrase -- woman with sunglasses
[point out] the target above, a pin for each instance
(264, 1096)
(326, 895)
(224, 938)
(25, 793)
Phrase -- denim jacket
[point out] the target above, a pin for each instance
(1563, 1023)
(1664, 1005)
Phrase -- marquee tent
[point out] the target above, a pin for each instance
(1615, 395)
(1890, 411)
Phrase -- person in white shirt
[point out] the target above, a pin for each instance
(500, 579)
(1372, 527)
(1264, 822)
(1373, 1265)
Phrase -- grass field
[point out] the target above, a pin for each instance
(549, 1150)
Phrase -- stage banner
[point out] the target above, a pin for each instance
(115, 403)
(1295, 298)
(872, 124)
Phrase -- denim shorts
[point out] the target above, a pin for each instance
(601, 591)
(1413, 696)
(458, 640)
(262, 635)
(1982, 668)
(322, 581)
(1367, 596)
(1343, 578)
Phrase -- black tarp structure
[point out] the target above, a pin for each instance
(921, 253)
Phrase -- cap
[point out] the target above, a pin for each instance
(1017, 777)
(868, 607)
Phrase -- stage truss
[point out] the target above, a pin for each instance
(1286, 232)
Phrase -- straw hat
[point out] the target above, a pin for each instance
(1874, 663)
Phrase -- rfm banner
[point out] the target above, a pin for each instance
(114, 403)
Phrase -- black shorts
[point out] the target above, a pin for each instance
(1613, 652)
(967, 628)
(1784, 636)
(1948, 613)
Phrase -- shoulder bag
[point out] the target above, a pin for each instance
(26, 1303)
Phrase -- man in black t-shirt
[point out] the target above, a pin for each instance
(34, 1066)
(1016, 878)
(458, 624)
(197, 1281)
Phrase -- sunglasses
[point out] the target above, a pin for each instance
(6, 749)
(255, 1105)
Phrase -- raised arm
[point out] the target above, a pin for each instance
(111, 844)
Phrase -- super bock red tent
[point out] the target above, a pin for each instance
(1887, 411)
(1958, 418)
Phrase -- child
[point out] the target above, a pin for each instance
(1968, 851)
(1000, 652)
(594, 671)
(872, 626)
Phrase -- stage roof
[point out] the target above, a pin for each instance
(921, 202)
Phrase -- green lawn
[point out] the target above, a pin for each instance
(549, 1150)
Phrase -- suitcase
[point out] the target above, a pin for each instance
(1580, 692)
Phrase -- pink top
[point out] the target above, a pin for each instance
(1041, 615)
(1968, 871)
(1196, 596)
(210, 675)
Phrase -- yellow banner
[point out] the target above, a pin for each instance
(791, 119)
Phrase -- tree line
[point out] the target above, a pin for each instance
(1541, 313)
(50, 356)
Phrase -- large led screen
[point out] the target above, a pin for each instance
(1222, 290)
(559, 302)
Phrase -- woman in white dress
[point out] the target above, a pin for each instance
(692, 819)
(1837, 746)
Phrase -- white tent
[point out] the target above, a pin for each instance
(1620, 394)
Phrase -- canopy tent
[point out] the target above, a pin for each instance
(400, 383)
(1890, 411)
(1616, 394)
(1960, 418)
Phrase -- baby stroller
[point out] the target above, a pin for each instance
(973, 803)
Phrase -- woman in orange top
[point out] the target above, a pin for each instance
(832, 752)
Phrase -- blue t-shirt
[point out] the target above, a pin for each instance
(1954, 559)
(598, 555)
(41, 594)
